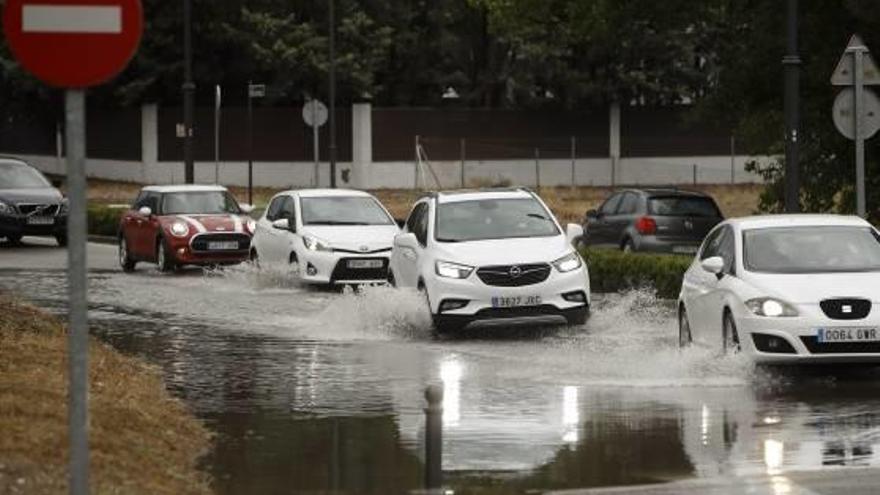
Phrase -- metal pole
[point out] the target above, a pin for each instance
(434, 437)
(250, 136)
(858, 54)
(537, 168)
(78, 336)
(217, 134)
(418, 162)
(462, 148)
(573, 155)
(695, 174)
(332, 116)
(316, 143)
(189, 89)
(792, 63)
(732, 159)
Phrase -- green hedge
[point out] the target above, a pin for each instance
(104, 220)
(613, 271)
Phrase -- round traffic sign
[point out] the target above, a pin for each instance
(844, 113)
(314, 113)
(73, 43)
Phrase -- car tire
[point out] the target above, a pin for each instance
(445, 327)
(390, 279)
(628, 246)
(61, 239)
(164, 261)
(730, 337)
(254, 257)
(685, 337)
(125, 260)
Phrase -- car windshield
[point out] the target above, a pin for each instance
(195, 203)
(486, 219)
(811, 250)
(18, 176)
(683, 206)
(344, 210)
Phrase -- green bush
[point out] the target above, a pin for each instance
(613, 271)
(104, 220)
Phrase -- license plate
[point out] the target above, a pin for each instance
(684, 249)
(515, 301)
(856, 334)
(41, 220)
(365, 264)
(222, 245)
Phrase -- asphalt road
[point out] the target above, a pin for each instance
(318, 391)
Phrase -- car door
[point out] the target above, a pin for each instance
(702, 288)
(264, 240)
(406, 260)
(288, 240)
(598, 232)
(623, 218)
(144, 228)
(129, 221)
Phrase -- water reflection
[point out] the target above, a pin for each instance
(570, 414)
(450, 374)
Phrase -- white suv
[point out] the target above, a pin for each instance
(491, 257)
(335, 236)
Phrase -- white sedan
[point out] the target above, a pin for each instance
(334, 236)
(786, 289)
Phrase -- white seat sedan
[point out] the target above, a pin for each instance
(786, 289)
(335, 236)
(490, 258)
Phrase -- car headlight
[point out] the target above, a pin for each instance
(6, 209)
(453, 270)
(315, 244)
(180, 229)
(768, 306)
(568, 263)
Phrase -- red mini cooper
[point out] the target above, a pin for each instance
(184, 225)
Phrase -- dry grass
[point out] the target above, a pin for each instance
(568, 203)
(142, 440)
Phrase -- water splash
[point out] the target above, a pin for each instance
(262, 276)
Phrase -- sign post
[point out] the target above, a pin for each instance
(217, 102)
(857, 110)
(75, 44)
(254, 91)
(315, 115)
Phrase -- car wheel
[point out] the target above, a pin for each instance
(125, 260)
(390, 279)
(254, 257)
(628, 246)
(685, 338)
(163, 259)
(729, 335)
(61, 239)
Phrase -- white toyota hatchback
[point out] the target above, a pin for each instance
(335, 236)
(786, 289)
(491, 257)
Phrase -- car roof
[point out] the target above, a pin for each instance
(798, 220)
(666, 191)
(327, 193)
(175, 188)
(14, 161)
(477, 194)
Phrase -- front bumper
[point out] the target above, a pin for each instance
(331, 268)
(480, 309)
(800, 333)
(183, 254)
(17, 225)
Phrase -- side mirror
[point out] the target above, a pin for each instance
(713, 265)
(406, 241)
(246, 208)
(281, 224)
(145, 211)
(592, 214)
(573, 232)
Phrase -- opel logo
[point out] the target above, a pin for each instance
(364, 249)
(515, 272)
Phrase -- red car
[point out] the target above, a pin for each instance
(184, 225)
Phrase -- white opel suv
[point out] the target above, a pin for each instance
(494, 257)
(334, 236)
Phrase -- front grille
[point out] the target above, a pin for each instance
(352, 251)
(199, 243)
(846, 308)
(343, 272)
(43, 210)
(521, 312)
(815, 347)
(514, 275)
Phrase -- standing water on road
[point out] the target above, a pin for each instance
(312, 390)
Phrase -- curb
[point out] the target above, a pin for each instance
(102, 239)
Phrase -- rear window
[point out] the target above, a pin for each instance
(683, 206)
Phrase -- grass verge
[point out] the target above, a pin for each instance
(614, 271)
(142, 440)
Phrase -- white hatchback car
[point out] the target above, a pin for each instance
(335, 236)
(491, 257)
(786, 289)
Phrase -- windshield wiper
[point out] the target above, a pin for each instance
(441, 239)
(538, 216)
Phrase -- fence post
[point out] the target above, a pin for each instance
(537, 168)
(732, 159)
(434, 437)
(462, 149)
(573, 155)
(695, 174)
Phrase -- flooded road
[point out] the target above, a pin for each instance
(316, 391)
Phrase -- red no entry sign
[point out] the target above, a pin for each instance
(73, 43)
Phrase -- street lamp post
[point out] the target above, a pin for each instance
(332, 95)
(189, 89)
(792, 62)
